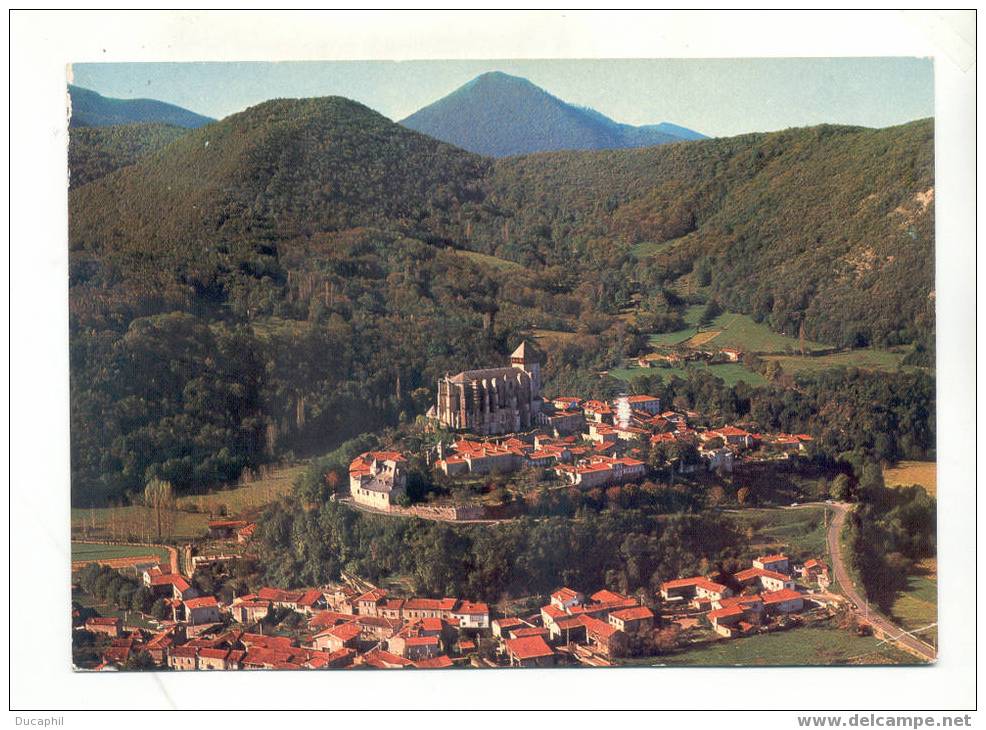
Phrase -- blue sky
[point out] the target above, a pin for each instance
(718, 97)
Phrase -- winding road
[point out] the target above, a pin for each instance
(880, 623)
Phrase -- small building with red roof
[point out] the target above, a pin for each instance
(529, 651)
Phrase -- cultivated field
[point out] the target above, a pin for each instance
(133, 522)
(812, 645)
(102, 551)
(885, 360)
(731, 373)
(730, 330)
(907, 473)
(798, 532)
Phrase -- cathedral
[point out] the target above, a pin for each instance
(493, 400)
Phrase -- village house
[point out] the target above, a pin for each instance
(777, 563)
(604, 637)
(529, 651)
(648, 403)
(814, 570)
(601, 470)
(343, 636)
(566, 598)
(225, 529)
(214, 659)
(382, 659)
(378, 479)
(695, 588)
(766, 580)
(204, 610)
(249, 609)
(108, 625)
(183, 658)
(730, 435)
(470, 615)
(501, 626)
(635, 620)
(784, 600)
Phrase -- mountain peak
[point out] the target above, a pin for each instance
(92, 109)
(499, 114)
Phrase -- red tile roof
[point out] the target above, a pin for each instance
(633, 614)
(528, 647)
(467, 608)
(597, 627)
(565, 594)
(724, 612)
(528, 631)
(203, 602)
(385, 660)
(744, 575)
(324, 619)
(785, 594)
(309, 598)
(439, 662)
(695, 581)
(429, 604)
(605, 596)
(771, 558)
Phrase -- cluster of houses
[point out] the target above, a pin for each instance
(602, 623)
(747, 600)
(343, 628)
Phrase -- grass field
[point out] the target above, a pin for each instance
(88, 551)
(812, 645)
(731, 373)
(246, 497)
(136, 521)
(907, 473)
(798, 532)
(730, 330)
(917, 607)
(493, 262)
(140, 521)
(884, 360)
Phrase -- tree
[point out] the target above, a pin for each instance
(159, 609)
(839, 489)
(159, 496)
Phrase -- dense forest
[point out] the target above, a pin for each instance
(303, 271)
(97, 151)
(309, 547)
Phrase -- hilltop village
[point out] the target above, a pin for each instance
(501, 424)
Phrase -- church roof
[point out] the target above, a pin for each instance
(525, 352)
(486, 374)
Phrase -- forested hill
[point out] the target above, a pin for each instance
(279, 170)
(91, 109)
(497, 114)
(303, 271)
(97, 151)
(832, 226)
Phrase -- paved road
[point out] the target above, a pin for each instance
(876, 619)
